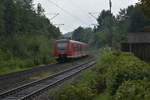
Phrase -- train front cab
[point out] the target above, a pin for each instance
(61, 49)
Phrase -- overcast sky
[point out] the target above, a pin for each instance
(74, 13)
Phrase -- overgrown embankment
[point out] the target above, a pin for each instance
(26, 36)
(118, 76)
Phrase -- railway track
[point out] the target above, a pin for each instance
(16, 79)
(28, 91)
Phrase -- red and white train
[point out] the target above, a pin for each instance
(67, 49)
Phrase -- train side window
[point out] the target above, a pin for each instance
(79, 47)
(75, 47)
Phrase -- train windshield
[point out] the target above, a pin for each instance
(62, 46)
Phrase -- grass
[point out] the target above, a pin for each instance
(41, 76)
(16, 65)
(6, 70)
(56, 70)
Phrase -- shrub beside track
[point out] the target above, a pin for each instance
(118, 76)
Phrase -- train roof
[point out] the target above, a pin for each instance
(73, 41)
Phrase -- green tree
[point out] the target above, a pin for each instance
(1, 18)
(82, 34)
(78, 34)
(105, 19)
(137, 19)
(26, 35)
(145, 5)
(40, 10)
(106, 23)
(9, 17)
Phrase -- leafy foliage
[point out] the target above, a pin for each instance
(71, 92)
(117, 68)
(87, 87)
(26, 35)
(118, 76)
(82, 34)
(145, 5)
(127, 67)
(134, 90)
(114, 29)
(105, 61)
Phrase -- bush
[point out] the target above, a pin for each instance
(112, 70)
(88, 79)
(14, 65)
(115, 68)
(104, 96)
(106, 60)
(127, 67)
(134, 90)
(71, 92)
(92, 80)
(27, 53)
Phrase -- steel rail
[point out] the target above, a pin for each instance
(31, 89)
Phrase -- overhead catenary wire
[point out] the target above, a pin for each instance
(88, 13)
(81, 9)
(67, 12)
(54, 16)
(84, 12)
